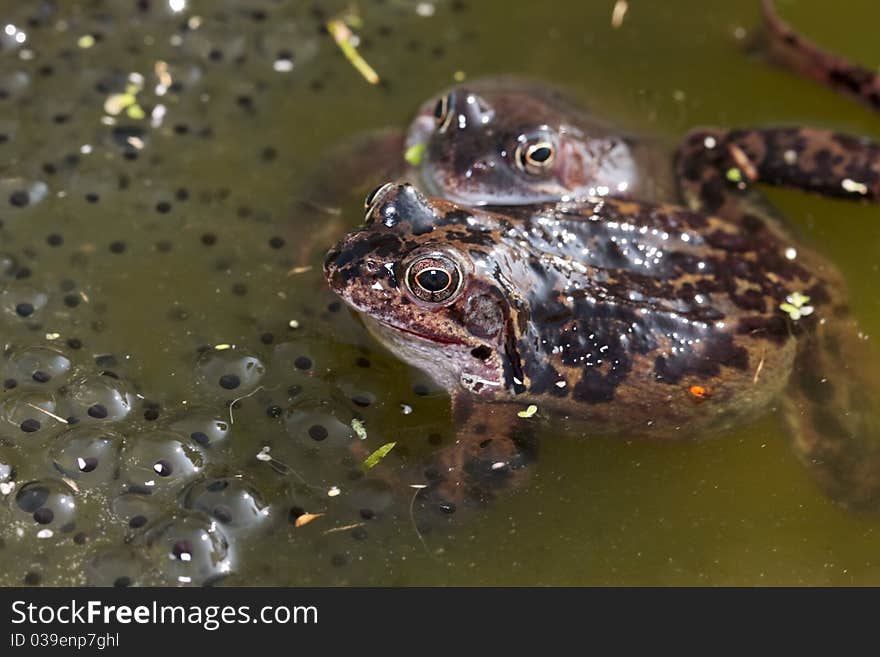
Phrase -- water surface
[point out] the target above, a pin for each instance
(143, 242)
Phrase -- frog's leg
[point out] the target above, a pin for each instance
(787, 48)
(833, 408)
(354, 167)
(716, 168)
(492, 450)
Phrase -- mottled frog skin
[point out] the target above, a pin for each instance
(554, 262)
(603, 308)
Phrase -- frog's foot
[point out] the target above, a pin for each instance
(716, 169)
(491, 455)
(787, 48)
(833, 409)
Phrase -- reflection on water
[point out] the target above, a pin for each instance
(180, 389)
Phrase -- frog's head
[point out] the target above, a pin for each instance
(509, 143)
(415, 272)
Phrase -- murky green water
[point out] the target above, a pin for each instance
(143, 243)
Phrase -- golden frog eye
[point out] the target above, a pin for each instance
(434, 278)
(443, 111)
(535, 157)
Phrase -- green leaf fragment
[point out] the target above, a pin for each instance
(342, 36)
(135, 112)
(378, 455)
(529, 412)
(795, 306)
(415, 153)
(359, 429)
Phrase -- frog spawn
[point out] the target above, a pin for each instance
(134, 471)
(151, 484)
(74, 421)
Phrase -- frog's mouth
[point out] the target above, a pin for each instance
(428, 338)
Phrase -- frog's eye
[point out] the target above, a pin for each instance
(434, 278)
(443, 111)
(535, 157)
(376, 194)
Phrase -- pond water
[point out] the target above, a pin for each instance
(151, 162)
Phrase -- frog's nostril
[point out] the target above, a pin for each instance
(330, 261)
(376, 195)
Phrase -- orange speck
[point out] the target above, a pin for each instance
(305, 519)
(699, 392)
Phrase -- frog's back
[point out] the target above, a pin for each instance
(637, 312)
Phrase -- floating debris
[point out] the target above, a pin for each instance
(415, 153)
(529, 412)
(425, 9)
(854, 187)
(334, 491)
(238, 399)
(305, 519)
(346, 40)
(796, 306)
(127, 101)
(373, 459)
(734, 175)
(359, 429)
(758, 370)
(619, 13)
(57, 418)
(335, 530)
(699, 392)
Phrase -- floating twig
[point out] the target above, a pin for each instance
(343, 36)
(238, 399)
(44, 411)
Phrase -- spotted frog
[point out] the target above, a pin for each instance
(553, 267)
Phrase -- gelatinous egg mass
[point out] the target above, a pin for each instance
(177, 386)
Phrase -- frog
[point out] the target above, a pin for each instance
(552, 266)
(506, 140)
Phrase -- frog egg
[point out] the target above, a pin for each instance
(48, 504)
(101, 398)
(119, 567)
(26, 416)
(312, 423)
(232, 501)
(302, 356)
(23, 302)
(201, 427)
(159, 462)
(370, 497)
(36, 366)
(229, 373)
(189, 549)
(88, 455)
(299, 362)
(136, 511)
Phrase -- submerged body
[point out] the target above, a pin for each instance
(551, 269)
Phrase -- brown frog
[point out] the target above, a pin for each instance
(577, 290)
(509, 141)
